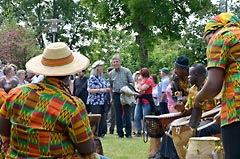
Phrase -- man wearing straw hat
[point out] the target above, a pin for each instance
(44, 120)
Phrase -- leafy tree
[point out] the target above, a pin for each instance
(192, 43)
(76, 29)
(17, 44)
(107, 43)
(148, 19)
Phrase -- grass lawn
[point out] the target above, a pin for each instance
(124, 148)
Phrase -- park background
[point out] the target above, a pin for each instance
(146, 33)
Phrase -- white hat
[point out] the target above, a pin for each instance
(57, 60)
(97, 63)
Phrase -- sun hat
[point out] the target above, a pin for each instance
(182, 61)
(97, 63)
(165, 70)
(57, 60)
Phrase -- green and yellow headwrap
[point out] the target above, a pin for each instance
(220, 21)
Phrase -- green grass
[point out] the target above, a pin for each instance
(124, 148)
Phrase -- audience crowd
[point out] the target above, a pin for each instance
(122, 112)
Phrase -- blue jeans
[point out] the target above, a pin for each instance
(140, 111)
(103, 157)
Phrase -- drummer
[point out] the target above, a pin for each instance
(179, 87)
(197, 76)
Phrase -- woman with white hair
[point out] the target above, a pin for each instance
(21, 74)
(97, 87)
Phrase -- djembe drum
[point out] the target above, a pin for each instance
(94, 122)
(181, 132)
(156, 126)
(202, 147)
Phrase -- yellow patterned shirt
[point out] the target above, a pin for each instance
(210, 104)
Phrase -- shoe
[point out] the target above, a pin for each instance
(129, 136)
(120, 136)
(138, 134)
(111, 131)
(101, 136)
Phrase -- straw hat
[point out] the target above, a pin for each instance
(57, 60)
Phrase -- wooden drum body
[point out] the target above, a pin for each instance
(94, 122)
(202, 147)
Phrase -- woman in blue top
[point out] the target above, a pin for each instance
(97, 87)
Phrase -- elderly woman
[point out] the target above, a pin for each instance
(97, 87)
(21, 74)
(8, 72)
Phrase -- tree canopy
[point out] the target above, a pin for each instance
(148, 19)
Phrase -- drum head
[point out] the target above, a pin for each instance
(180, 122)
(205, 138)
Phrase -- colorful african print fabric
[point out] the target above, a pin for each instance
(179, 87)
(223, 51)
(220, 21)
(4, 142)
(3, 96)
(46, 121)
(210, 104)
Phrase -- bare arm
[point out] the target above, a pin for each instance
(164, 97)
(212, 87)
(98, 90)
(5, 128)
(142, 88)
(86, 147)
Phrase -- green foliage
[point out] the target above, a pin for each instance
(147, 19)
(109, 42)
(163, 55)
(17, 44)
(75, 30)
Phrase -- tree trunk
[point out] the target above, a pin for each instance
(140, 40)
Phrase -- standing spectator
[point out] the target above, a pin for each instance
(8, 72)
(133, 105)
(57, 124)
(1, 68)
(112, 119)
(155, 89)
(97, 87)
(222, 35)
(162, 87)
(144, 101)
(32, 77)
(119, 77)
(21, 74)
(80, 87)
(171, 102)
(14, 68)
